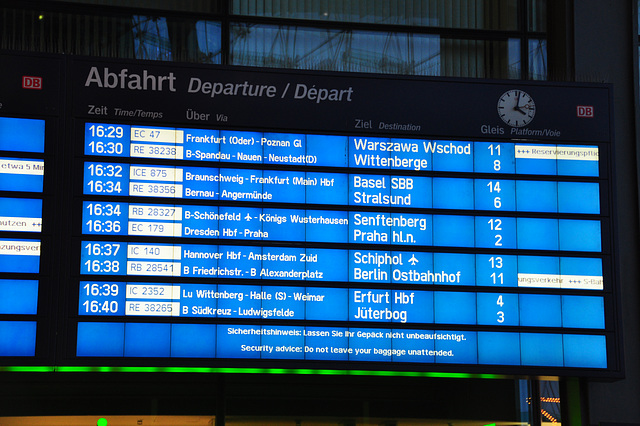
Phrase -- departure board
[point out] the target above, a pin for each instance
(239, 218)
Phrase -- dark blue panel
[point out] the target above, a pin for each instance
(540, 310)
(21, 134)
(536, 196)
(537, 234)
(193, 340)
(498, 348)
(578, 197)
(326, 265)
(20, 207)
(147, 340)
(19, 297)
(453, 231)
(585, 351)
(330, 151)
(580, 266)
(538, 265)
(100, 339)
(327, 304)
(451, 193)
(454, 308)
(541, 349)
(583, 312)
(580, 235)
(17, 338)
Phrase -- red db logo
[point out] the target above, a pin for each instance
(29, 82)
(585, 111)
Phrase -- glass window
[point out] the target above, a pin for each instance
(151, 38)
(470, 14)
(209, 36)
(537, 59)
(370, 51)
(537, 15)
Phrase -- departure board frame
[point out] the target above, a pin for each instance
(365, 166)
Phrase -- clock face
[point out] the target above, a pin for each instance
(516, 108)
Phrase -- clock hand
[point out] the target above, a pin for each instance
(517, 107)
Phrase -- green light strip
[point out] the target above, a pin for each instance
(208, 370)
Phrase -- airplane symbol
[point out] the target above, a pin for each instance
(247, 217)
(413, 260)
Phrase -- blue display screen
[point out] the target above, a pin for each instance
(22, 142)
(346, 151)
(217, 184)
(341, 248)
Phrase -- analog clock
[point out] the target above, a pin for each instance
(516, 108)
